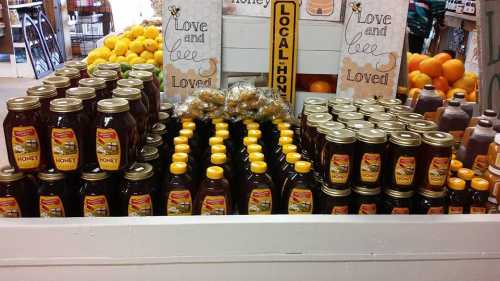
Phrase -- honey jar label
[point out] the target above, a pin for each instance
(435, 211)
(367, 209)
(438, 170)
(51, 206)
(214, 206)
(108, 149)
(340, 210)
(300, 202)
(95, 206)
(140, 206)
(370, 167)
(9, 208)
(339, 168)
(179, 203)
(260, 202)
(26, 147)
(400, 211)
(480, 164)
(404, 171)
(497, 160)
(455, 210)
(65, 149)
(477, 210)
(457, 136)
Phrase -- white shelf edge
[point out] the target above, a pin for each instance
(26, 5)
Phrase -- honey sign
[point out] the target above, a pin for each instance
(283, 48)
(373, 40)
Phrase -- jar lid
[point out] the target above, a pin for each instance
(335, 192)
(422, 126)
(166, 106)
(366, 101)
(80, 65)
(494, 171)
(149, 153)
(367, 191)
(311, 109)
(109, 66)
(465, 174)
(341, 136)
(130, 83)
(218, 158)
(142, 75)
(377, 117)
(293, 157)
(370, 109)
(314, 120)
(159, 129)
(114, 105)
(225, 126)
(345, 117)
(178, 168)
(180, 157)
(285, 140)
(252, 133)
(258, 167)
(314, 101)
(374, 136)
(163, 117)
(399, 194)
(339, 100)
(66, 105)
(108, 75)
(438, 139)
(215, 140)
(57, 81)
(182, 148)
(389, 102)
(127, 93)
(408, 118)
(432, 193)
(9, 174)
(69, 72)
(218, 148)
(96, 83)
(456, 184)
(188, 133)
(485, 123)
(250, 126)
(288, 148)
(215, 173)
(181, 140)
(42, 91)
(50, 175)
(338, 108)
(480, 184)
(357, 125)
(288, 133)
(408, 139)
(23, 103)
(326, 127)
(154, 140)
(139, 171)
(396, 109)
(284, 126)
(81, 93)
(391, 126)
(249, 140)
(302, 167)
(277, 121)
(256, 156)
(93, 173)
(456, 165)
(144, 67)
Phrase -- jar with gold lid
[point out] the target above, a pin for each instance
(137, 109)
(167, 108)
(366, 201)
(430, 202)
(337, 109)
(402, 158)
(53, 197)
(338, 159)
(98, 84)
(334, 201)
(369, 158)
(308, 110)
(391, 126)
(151, 91)
(397, 109)
(409, 118)
(378, 117)
(149, 68)
(88, 98)
(313, 102)
(422, 126)
(388, 103)
(45, 93)
(60, 83)
(358, 125)
(71, 73)
(323, 130)
(95, 197)
(17, 194)
(111, 66)
(110, 76)
(398, 202)
(160, 130)
(311, 133)
(337, 101)
(434, 161)
(364, 101)
(345, 117)
(368, 110)
(136, 84)
(136, 198)
(80, 65)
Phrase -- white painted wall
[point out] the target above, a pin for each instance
(127, 13)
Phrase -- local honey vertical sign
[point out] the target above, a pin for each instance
(283, 48)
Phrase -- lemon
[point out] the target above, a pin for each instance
(151, 32)
(136, 47)
(99, 61)
(147, 55)
(140, 38)
(150, 45)
(121, 48)
(159, 57)
(126, 41)
(92, 56)
(110, 41)
(159, 39)
(104, 52)
(121, 59)
(112, 58)
(137, 60)
(129, 52)
(129, 35)
(131, 57)
(137, 30)
(151, 61)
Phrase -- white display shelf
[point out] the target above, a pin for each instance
(26, 5)
(390, 248)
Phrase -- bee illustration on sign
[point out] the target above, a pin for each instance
(320, 7)
(174, 11)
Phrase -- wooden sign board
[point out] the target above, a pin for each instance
(373, 41)
(192, 32)
(489, 60)
(325, 10)
(283, 48)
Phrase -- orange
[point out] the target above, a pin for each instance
(420, 80)
(320, 87)
(453, 70)
(467, 83)
(415, 61)
(443, 57)
(452, 92)
(441, 94)
(431, 67)
(413, 92)
(441, 83)
(471, 97)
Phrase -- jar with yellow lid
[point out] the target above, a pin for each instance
(338, 157)
(151, 91)
(136, 84)
(422, 126)
(214, 195)
(334, 201)
(397, 202)
(53, 197)
(136, 197)
(299, 193)
(397, 109)
(366, 201)
(178, 191)
(98, 84)
(25, 134)
(458, 197)
(285, 173)
(391, 126)
(402, 158)
(116, 135)
(431, 202)
(479, 196)
(80, 65)
(257, 198)
(455, 165)
(467, 175)
(434, 162)
(369, 158)
(94, 193)
(60, 83)
(71, 73)
(110, 76)
(17, 194)
(45, 94)
(378, 117)
(137, 109)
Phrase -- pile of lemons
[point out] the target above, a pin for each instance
(138, 44)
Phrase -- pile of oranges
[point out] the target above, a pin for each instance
(447, 74)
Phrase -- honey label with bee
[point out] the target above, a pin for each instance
(404, 171)
(51, 206)
(370, 167)
(438, 170)
(179, 203)
(108, 149)
(95, 206)
(300, 202)
(140, 206)
(9, 208)
(339, 168)
(65, 150)
(367, 209)
(26, 147)
(214, 206)
(260, 202)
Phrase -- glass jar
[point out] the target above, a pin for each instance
(111, 78)
(66, 130)
(368, 110)
(71, 73)
(356, 126)
(338, 159)
(334, 201)
(422, 126)
(391, 126)
(369, 158)
(455, 165)
(98, 84)
(366, 201)
(378, 117)
(304, 127)
(313, 123)
(397, 109)
(116, 135)
(345, 117)
(95, 197)
(341, 108)
(167, 108)
(457, 196)
(15, 195)
(323, 130)
(362, 102)
(430, 202)
(337, 101)
(137, 109)
(53, 197)
(136, 84)
(409, 118)
(479, 196)
(398, 202)
(157, 139)
(80, 65)
(493, 177)
(494, 152)
(136, 191)
(60, 83)
(402, 159)
(387, 103)
(151, 92)
(149, 68)
(25, 134)
(434, 163)
(45, 94)
(313, 102)
(151, 155)
(111, 66)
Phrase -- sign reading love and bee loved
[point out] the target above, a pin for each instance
(192, 46)
(372, 47)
